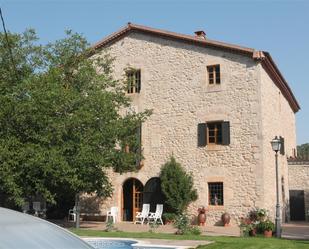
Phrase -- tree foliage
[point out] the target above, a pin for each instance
(61, 119)
(177, 186)
(303, 150)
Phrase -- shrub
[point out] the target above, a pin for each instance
(153, 226)
(177, 186)
(246, 226)
(195, 230)
(109, 226)
(169, 217)
(182, 224)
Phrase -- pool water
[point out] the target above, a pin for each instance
(110, 244)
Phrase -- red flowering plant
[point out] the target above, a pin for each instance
(245, 226)
(202, 210)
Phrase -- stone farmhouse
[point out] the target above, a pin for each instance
(216, 107)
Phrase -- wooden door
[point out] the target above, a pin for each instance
(132, 198)
(137, 197)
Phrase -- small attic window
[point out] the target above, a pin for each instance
(213, 74)
(134, 81)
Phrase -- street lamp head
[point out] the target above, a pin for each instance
(276, 144)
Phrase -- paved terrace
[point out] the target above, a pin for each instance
(296, 230)
(130, 227)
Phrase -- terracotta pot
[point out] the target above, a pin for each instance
(201, 219)
(225, 218)
(168, 222)
(268, 234)
(252, 233)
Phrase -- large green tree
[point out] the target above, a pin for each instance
(61, 119)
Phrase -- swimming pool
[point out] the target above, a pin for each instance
(109, 243)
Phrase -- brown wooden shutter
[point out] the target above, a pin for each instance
(282, 150)
(201, 135)
(225, 133)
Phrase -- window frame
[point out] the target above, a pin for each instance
(134, 81)
(214, 75)
(210, 203)
(217, 139)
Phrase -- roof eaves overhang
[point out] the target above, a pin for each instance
(274, 73)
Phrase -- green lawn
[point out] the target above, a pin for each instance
(220, 242)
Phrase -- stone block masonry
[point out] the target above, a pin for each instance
(174, 84)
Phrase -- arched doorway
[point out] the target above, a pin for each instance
(153, 193)
(132, 198)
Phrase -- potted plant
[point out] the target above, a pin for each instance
(226, 218)
(201, 216)
(268, 227)
(169, 218)
(245, 227)
(261, 214)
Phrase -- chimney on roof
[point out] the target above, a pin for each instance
(200, 34)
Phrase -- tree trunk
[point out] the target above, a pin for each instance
(77, 206)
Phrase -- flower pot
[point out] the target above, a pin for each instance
(252, 232)
(168, 222)
(201, 219)
(268, 234)
(226, 218)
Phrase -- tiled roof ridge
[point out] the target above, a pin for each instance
(262, 56)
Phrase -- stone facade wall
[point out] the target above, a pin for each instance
(174, 86)
(299, 180)
(278, 119)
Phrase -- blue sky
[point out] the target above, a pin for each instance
(280, 27)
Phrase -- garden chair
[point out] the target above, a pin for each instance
(36, 207)
(141, 217)
(113, 212)
(26, 207)
(156, 216)
(72, 214)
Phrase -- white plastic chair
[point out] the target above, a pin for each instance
(26, 207)
(141, 217)
(72, 214)
(156, 216)
(36, 207)
(112, 213)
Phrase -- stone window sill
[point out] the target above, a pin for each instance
(214, 88)
(215, 208)
(214, 147)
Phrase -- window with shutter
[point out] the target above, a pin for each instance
(213, 133)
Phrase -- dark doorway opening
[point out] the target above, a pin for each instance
(132, 198)
(297, 205)
(153, 193)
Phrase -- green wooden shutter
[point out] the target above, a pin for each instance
(226, 133)
(201, 135)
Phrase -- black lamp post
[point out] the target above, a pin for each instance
(276, 145)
